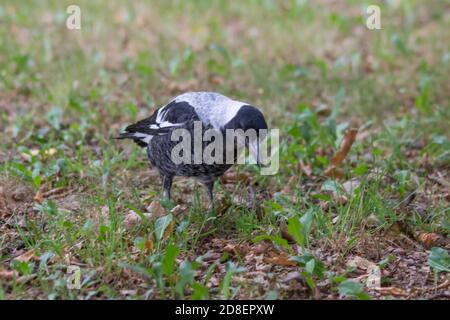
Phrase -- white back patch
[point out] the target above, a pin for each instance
(212, 108)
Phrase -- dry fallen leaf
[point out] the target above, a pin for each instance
(132, 219)
(179, 210)
(347, 142)
(8, 274)
(392, 291)
(39, 197)
(334, 172)
(373, 272)
(282, 259)
(291, 276)
(169, 230)
(360, 263)
(374, 277)
(351, 185)
(428, 239)
(232, 177)
(231, 248)
(306, 169)
(443, 285)
(27, 256)
(148, 246)
(55, 192)
(349, 138)
(156, 210)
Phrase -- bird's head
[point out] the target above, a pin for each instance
(251, 121)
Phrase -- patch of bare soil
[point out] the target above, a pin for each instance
(405, 273)
(16, 200)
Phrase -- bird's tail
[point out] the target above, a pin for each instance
(125, 135)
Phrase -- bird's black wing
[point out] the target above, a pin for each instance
(161, 122)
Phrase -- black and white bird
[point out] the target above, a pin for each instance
(216, 112)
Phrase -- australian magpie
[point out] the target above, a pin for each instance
(213, 111)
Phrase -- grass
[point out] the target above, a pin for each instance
(67, 188)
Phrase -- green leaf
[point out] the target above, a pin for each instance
(295, 229)
(361, 169)
(309, 267)
(25, 268)
(200, 292)
(167, 204)
(307, 220)
(161, 225)
(309, 280)
(139, 243)
(44, 258)
(186, 277)
(169, 259)
(232, 269)
(439, 260)
(311, 264)
(20, 169)
(352, 289)
(299, 228)
(330, 185)
(37, 180)
(271, 295)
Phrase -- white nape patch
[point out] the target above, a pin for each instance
(161, 113)
(143, 136)
(212, 108)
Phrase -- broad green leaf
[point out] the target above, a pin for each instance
(309, 267)
(161, 224)
(186, 276)
(316, 266)
(169, 259)
(439, 260)
(200, 292)
(295, 229)
(307, 220)
(352, 289)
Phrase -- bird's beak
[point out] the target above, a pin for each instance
(256, 152)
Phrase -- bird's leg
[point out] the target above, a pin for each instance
(209, 185)
(167, 185)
